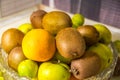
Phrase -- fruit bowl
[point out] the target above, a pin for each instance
(10, 74)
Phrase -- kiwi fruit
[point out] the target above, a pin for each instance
(15, 57)
(90, 34)
(70, 43)
(54, 21)
(86, 66)
(72, 77)
(117, 68)
(11, 38)
(36, 18)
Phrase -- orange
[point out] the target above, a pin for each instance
(38, 45)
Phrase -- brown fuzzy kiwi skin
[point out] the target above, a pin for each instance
(55, 21)
(11, 38)
(90, 34)
(117, 68)
(15, 57)
(36, 18)
(70, 43)
(86, 66)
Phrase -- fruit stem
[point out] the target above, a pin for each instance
(58, 61)
(75, 71)
(75, 54)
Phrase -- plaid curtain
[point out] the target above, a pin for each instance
(105, 11)
(110, 12)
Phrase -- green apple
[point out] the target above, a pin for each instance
(53, 71)
(104, 52)
(34, 78)
(105, 34)
(60, 58)
(25, 27)
(117, 45)
(1, 78)
(1, 73)
(28, 68)
(77, 20)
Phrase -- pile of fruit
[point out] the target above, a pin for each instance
(55, 46)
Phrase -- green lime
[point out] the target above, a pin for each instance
(25, 27)
(1, 78)
(77, 20)
(28, 68)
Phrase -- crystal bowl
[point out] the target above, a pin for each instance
(10, 74)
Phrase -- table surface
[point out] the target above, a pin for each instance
(24, 17)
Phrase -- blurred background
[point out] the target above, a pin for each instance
(105, 11)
